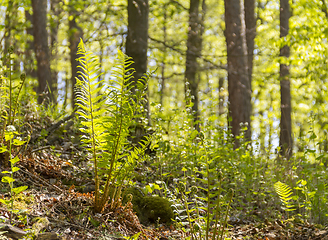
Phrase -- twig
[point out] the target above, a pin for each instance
(68, 223)
(22, 168)
(41, 148)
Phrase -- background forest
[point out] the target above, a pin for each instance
(223, 114)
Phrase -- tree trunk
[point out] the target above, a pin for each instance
(8, 28)
(137, 41)
(238, 75)
(194, 47)
(75, 33)
(250, 22)
(162, 90)
(286, 141)
(54, 26)
(42, 51)
(11, 30)
(29, 66)
(221, 97)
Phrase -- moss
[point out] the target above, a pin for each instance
(149, 209)
(155, 209)
(137, 198)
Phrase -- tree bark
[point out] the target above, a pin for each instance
(55, 10)
(250, 22)
(194, 47)
(8, 29)
(285, 141)
(12, 28)
(42, 51)
(238, 76)
(162, 90)
(29, 66)
(75, 33)
(221, 97)
(137, 40)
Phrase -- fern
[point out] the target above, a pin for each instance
(285, 194)
(106, 119)
(200, 211)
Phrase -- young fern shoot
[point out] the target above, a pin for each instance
(106, 118)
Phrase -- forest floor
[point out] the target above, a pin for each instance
(59, 201)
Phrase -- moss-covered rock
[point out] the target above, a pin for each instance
(149, 209)
(156, 209)
(137, 198)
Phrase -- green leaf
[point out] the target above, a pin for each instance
(94, 222)
(7, 179)
(15, 169)
(194, 134)
(134, 237)
(148, 189)
(20, 189)
(14, 160)
(18, 142)
(4, 201)
(3, 149)
(313, 136)
(285, 194)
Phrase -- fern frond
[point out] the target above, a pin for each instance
(106, 118)
(285, 194)
(90, 108)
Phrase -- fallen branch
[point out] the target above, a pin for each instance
(53, 127)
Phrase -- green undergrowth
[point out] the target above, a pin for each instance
(198, 181)
(252, 175)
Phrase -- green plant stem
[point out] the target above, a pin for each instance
(208, 197)
(10, 92)
(185, 201)
(112, 161)
(23, 77)
(226, 215)
(94, 152)
(217, 211)
(208, 190)
(11, 183)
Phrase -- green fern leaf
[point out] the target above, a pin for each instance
(285, 194)
(107, 117)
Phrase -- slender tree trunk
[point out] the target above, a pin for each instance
(164, 58)
(286, 141)
(238, 75)
(75, 33)
(42, 50)
(8, 29)
(194, 47)
(250, 22)
(137, 40)
(221, 97)
(67, 81)
(11, 29)
(54, 26)
(29, 60)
